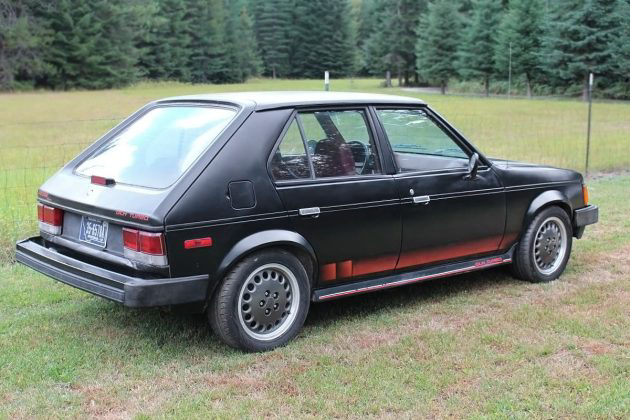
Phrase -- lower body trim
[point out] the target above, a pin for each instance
(396, 280)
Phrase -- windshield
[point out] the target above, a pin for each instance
(157, 148)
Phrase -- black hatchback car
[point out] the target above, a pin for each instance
(251, 205)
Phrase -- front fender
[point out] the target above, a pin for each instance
(544, 199)
(260, 240)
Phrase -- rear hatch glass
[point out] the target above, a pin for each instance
(159, 146)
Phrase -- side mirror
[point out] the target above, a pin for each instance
(473, 166)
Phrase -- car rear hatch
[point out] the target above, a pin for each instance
(111, 201)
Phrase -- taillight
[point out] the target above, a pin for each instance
(145, 247)
(585, 194)
(50, 219)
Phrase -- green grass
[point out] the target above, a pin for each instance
(40, 131)
(481, 345)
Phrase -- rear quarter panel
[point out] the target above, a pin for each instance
(205, 209)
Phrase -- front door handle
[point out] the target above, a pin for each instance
(310, 211)
(421, 199)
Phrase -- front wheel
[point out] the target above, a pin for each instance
(544, 250)
(262, 302)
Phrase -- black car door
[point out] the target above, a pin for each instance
(327, 169)
(446, 215)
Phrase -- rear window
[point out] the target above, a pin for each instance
(157, 148)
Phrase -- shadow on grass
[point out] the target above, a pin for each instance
(175, 331)
(432, 291)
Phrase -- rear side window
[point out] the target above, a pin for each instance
(330, 143)
(289, 161)
(157, 148)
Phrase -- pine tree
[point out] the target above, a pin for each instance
(164, 42)
(91, 45)
(274, 30)
(476, 54)
(242, 43)
(621, 83)
(376, 29)
(437, 43)
(403, 24)
(20, 42)
(208, 50)
(323, 38)
(522, 28)
(587, 37)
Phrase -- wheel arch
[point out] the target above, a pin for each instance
(276, 238)
(544, 200)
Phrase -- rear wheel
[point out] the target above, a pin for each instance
(544, 250)
(262, 303)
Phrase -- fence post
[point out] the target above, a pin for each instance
(326, 81)
(588, 129)
(510, 73)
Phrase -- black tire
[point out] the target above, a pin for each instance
(533, 256)
(284, 278)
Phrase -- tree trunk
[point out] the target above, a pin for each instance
(486, 86)
(406, 78)
(443, 88)
(273, 72)
(529, 86)
(416, 78)
(400, 79)
(388, 79)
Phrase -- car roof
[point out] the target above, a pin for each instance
(289, 99)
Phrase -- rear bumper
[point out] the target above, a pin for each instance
(130, 291)
(583, 217)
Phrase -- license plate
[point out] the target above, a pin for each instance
(93, 231)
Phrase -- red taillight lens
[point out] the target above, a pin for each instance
(151, 243)
(130, 239)
(49, 215)
(50, 219)
(145, 247)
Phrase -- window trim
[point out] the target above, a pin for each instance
(449, 130)
(372, 132)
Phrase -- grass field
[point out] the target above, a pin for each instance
(481, 345)
(40, 131)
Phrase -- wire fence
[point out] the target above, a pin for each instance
(554, 134)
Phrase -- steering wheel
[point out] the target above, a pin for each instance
(360, 154)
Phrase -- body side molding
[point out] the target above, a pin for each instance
(442, 270)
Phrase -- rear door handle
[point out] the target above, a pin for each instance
(421, 199)
(310, 211)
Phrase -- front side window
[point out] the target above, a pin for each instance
(157, 148)
(418, 143)
(338, 143)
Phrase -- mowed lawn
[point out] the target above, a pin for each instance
(41, 131)
(479, 345)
